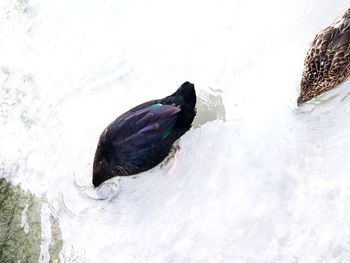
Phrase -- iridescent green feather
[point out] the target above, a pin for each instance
(156, 106)
(166, 132)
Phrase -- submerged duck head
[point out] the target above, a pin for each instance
(101, 169)
(104, 167)
(314, 81)
(100, 174)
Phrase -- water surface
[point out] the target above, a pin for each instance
(256, 180)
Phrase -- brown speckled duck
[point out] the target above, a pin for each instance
(327, 62)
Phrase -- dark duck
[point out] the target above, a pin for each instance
(142, 137)
(327, 62)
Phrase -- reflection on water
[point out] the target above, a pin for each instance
(20, 227)
(209, 107)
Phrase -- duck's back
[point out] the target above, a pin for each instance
(328, 60)
(141, 139)
(330, 49)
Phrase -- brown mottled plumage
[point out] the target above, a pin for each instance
(327, 62)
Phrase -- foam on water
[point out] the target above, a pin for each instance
(256, 180)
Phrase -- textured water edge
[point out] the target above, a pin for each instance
(21, 232)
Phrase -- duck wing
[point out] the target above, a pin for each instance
(142, 138)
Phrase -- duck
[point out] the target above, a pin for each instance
(142, 137)
(327, 62)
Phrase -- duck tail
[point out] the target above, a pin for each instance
(185, 98)
(186, 95)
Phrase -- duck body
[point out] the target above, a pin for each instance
(327, 62)
(142, 137)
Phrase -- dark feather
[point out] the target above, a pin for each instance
(142, 137)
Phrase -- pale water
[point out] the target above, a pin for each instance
(256, 180)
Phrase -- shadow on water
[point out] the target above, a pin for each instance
(209, 107)
(20, 226)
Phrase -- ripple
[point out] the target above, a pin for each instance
(209, 106)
